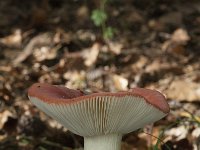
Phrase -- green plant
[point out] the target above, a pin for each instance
(99, 17)
(161, 135)
(190, 118)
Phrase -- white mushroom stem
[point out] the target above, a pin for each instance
(103, 142)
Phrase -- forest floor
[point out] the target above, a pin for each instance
(156, 45)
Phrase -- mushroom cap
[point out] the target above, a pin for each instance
(99, 113)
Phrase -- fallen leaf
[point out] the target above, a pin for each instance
(75, 79)
(4, 117)
(196, 132)
(91, 55)
(179, 132)
(183, 90)
(115, 47)
(188, 115)
(45, 53)
(176, 44)
(39, 40)
(120, 83)
(180, 36)
(13, 40)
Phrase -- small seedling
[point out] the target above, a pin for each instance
(99, 17)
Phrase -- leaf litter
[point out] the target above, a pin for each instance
(155, 47)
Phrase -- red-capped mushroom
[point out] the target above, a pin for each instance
(101, 118)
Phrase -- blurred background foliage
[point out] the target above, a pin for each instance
(108, 45)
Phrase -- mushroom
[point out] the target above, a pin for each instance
(101, 118)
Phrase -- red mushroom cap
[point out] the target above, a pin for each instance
(153, 97)
(62, 95)
(99, 113)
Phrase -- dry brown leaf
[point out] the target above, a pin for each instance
(45, 53)
(4, 117)
(179, 132)
(196, 132)
(5, 68)
(14, 39)
(91, 55)
(38, 41)
(115, 47)
(180, 36)
(120, 83)
(188, 115)
(75, 79)
(177, 41)
(183, 90)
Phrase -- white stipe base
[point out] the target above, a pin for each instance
(103, 142)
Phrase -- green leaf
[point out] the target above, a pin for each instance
(109, 33)
(98, 17)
